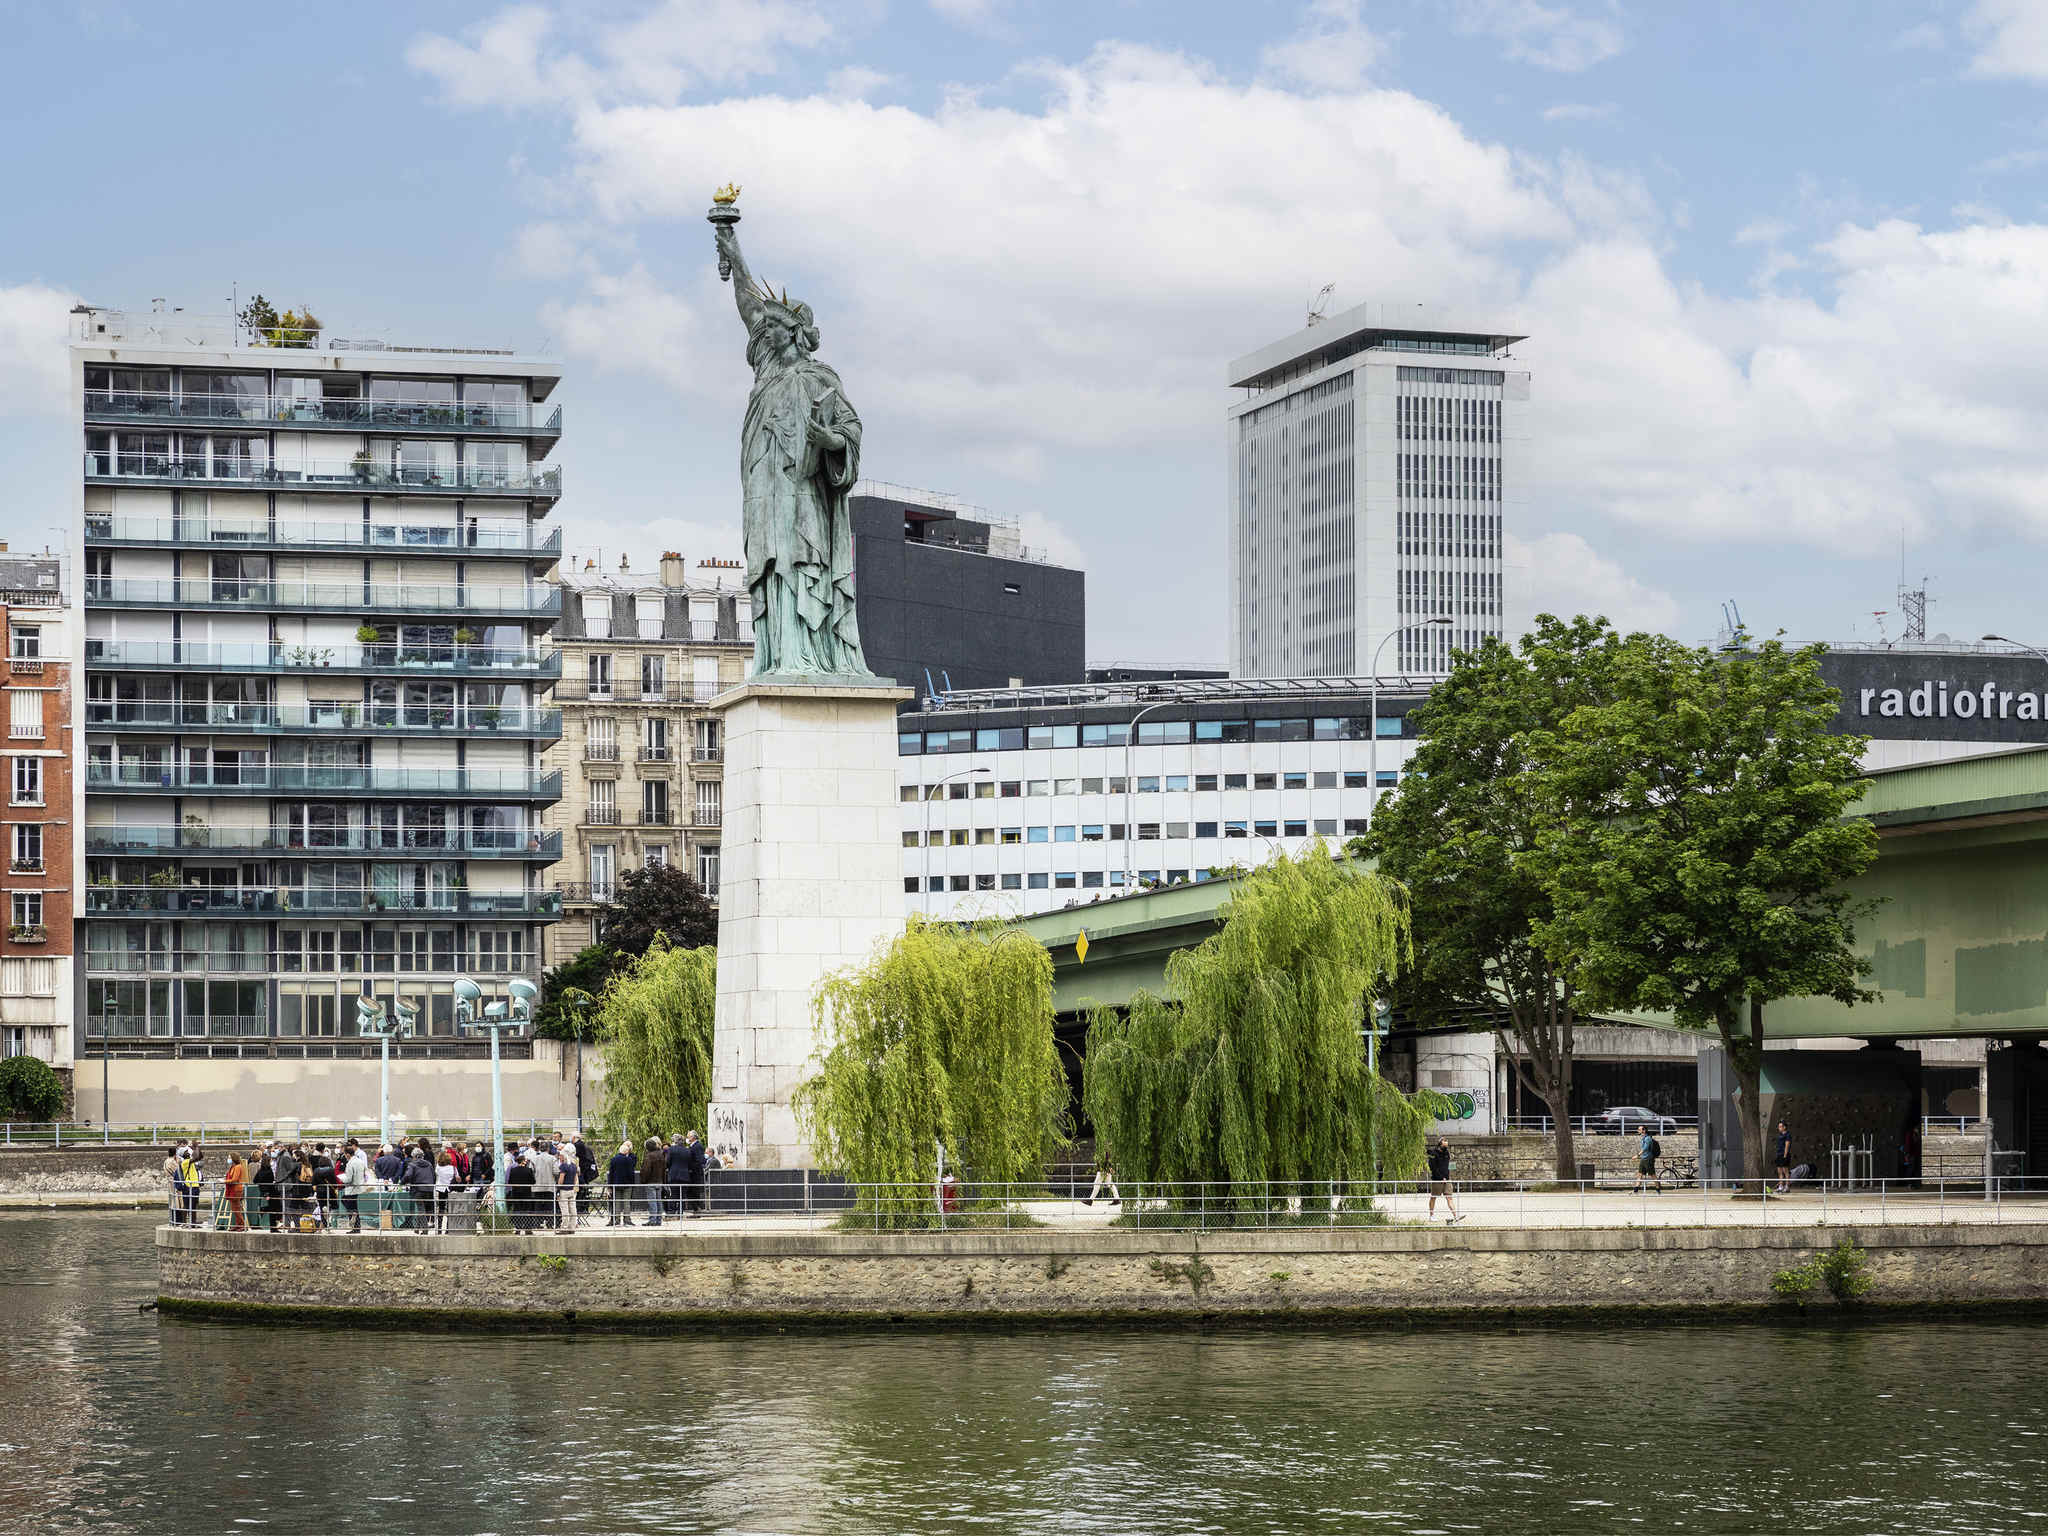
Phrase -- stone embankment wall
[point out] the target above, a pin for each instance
(847, 1279)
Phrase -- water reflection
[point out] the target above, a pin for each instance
(116, 1421)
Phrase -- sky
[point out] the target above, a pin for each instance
(1783, 269)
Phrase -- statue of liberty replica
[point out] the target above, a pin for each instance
(799, 458)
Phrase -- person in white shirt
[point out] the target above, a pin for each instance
(355, 1178)
(544, 1165)
(444, 1180)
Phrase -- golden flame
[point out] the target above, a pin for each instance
(729, 193)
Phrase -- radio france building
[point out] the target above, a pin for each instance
(1932, 701)
(1024, 800)
(1375, 458)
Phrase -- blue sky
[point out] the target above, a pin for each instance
(1783, 268)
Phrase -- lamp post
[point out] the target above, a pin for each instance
(371, 1021)
(581, 1002)
(1372, 744)
(981, 770)
(2031, 649)
(107, 1060)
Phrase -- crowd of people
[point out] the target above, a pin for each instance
(551, 1183)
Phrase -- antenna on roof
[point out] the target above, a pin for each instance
(1320, 303)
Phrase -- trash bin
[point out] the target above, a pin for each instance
(1589, 1173)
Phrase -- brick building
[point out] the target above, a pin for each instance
(43, 807)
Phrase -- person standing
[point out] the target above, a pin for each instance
(1440, 1181)
(1647, 1153)
(235, 1187)
(621, 1174)
(1105, 1178)
(694, 1173)
(568, 1178)
(174, 1182)
(544, 1164)
(265, 1185)
(444, 1183)
(194, 1176)
(390, 1166)
(520, 1200)
(1782, 1159)
(676, 1165)
(653, 1167)
(355, 1178)
(586, 1173)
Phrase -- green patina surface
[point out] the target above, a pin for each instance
(1958, 943)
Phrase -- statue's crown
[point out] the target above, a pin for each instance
(729, 193)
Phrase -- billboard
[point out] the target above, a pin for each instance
(1928, 695)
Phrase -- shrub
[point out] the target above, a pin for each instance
(1796, 1283)
(30, 1090)
(1842, 1270)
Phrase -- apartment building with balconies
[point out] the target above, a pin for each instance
(317, 597)
(43, 807)
(641, 756)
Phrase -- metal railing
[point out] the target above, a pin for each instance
(673, 693)
(326, 597)
(471, 720)
(600, 752)
(707, 754)
(203, 656)
(654, 818)
(423, 538)
(1600, 1125)
(601, 816)
(293, 411)
(245, 901)
(318, 475)
(654, 754)
(246, 1133)
(285, 778)
(705, 816)
(473, 842)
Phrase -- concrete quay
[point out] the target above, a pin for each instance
(747, 1274)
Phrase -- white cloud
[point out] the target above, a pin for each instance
(859, 83)
(1553, 37)
(1561, 573)
(1333, 49)
(2011, 38)
(1578, 111)
(34, 325)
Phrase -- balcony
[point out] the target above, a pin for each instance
(103, 529)
(600, 752)
(346, 475)
(438, 661)
(705, 816)
(247, 901)
(707, 754)
(674, 693)
(601, 816)
(654, 755)
(652, 818)
(580, 894)
(292, 779)
(371, 842)
(27, 933)
(321, 597)
(431, 417)
(25, 666)
(322, 719)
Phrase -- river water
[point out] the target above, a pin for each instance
(112, 1419)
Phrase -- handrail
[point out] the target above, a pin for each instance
(220, 901)
(472, 720)
(295, 411)
(294, 778)
(327, 596)
(337, 474)
(461, 841)
(420, 538)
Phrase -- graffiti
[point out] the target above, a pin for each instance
(1462, 1107)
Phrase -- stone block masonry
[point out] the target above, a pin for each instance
(855, 1280)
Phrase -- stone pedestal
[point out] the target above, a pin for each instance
(810, 882)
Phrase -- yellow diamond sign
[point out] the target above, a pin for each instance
(1080, 947)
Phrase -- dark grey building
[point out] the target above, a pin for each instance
(949, 598)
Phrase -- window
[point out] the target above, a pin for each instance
(652, 680)
(1066, 786)
(1354, 826)
(1091, 786)
(958, 882)
(1118, 786)
(957, 837)
(654, 740)
(28, 848)
(1205, 829)
(1012, 789)
(1176, 781)
(600, 676)
(1205, 781)
(1092, 834)
(597, 617)
(647, 607)
(907, 794)
(1388, 777)
(1266, 828)
(1264, 781)
(935, 883)
(1148, 831)
(910, 885)
(1297, 829)
(1356, 780)
(1013, 882)
(1294, 781)
(1040, 787)
(602, 745)
(956, 791)
(1091, 879)
(1148, 784)
(1116, 831)
(28, 781)
(654, 802)
(1063, 834)
(1326, 826)
(1038, 882)
(984, 789)
(1176, 829)
(25, 642)
(910, 839)
(604, 802)
(603, 865)
(1233, 781)
(24, 712)
(500, 951)
(1236, 829)
(1116, 878)
(1038, 835)
(657, 856)
(984, 882)
(28, 911)
(1326, 781)
(707, 869)
(1012, 835)
(1065, 881)
(1388, 725)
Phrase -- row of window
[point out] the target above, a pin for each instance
(1147, 831)
(25, 913)
(1146, 784)
(1061, 880)
(640, 615)
(352, 948)
(604, 867)
(601, 738)
(1447, 420)
(27, 781)
(1150, 733)
(653, 675)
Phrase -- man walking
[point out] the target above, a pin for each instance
(1783, 1159)
(1440, 1182)
(1647, 1152)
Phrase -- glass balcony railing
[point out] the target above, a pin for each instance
(517, 418)
(461, 720)
(435, 660)
(332, 475)
(373, 842)
(282, 901)
(325, 597)
(320, 779)
(261, 533)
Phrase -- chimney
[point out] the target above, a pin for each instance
(674, 569)
(3, 546)
(624, 564)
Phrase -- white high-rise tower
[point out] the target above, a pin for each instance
(1374, 459)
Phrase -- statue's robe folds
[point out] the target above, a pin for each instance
(798, 526)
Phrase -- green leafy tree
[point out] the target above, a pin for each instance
(943, 1039)
(30, 1089)
(293, 328)
(659, 899)
(1462, 834)
(589, 971)
(1255, 1070)
(654, 1023)
(1701, 869)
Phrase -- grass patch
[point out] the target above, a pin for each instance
(857, 1220)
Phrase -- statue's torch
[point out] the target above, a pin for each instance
(723, 215)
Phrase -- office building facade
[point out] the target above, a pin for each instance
(1024, 800)
(315, 685)
(44, 809)
(642, 757)
(949, 597)
(1374, 463)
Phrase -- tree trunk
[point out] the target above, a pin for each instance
(1746, 1058)
(1560, 1102)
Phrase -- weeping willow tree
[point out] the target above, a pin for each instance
(1255, 1074)
(654, 1023)
(943, 1039)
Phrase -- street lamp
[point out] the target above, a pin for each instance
(2033, 649)
(107, 1058)
(372, 1022)
(581, 1002)
(982, 771)
(1130, 786)
(1372, 744)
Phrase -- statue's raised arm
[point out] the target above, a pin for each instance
(731, 263)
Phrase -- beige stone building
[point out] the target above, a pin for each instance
(641, 756)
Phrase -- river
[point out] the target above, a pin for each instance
(113, 1420)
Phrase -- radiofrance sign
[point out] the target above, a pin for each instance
(1940, 696)
(1941, 700)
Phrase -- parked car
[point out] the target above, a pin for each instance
(1626, 1119)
